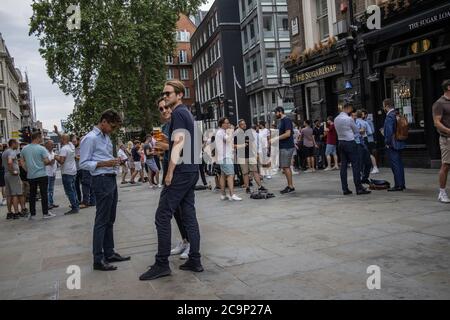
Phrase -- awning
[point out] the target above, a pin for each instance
(430, 17)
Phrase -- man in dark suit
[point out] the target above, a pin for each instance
(393, 146)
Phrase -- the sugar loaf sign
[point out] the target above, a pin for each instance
(317, 74)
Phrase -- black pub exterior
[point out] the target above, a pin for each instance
(407, 60)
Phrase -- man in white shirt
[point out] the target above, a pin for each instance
(66, 159)
(224, 151)
(123, 162)
(51, 174)
(264, 156)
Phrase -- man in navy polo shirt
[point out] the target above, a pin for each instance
(179, 186)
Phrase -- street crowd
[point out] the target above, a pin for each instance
(171, 160)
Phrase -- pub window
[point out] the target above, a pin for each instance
(322, 18)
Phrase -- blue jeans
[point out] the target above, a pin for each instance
(69, 188)
(348, 151)
(397, 167)
(51, 189)
(105, 189)
(86, 188)
(178, 196)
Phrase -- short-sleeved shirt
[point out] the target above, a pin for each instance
(318, 134)
(307, 134)
(34, 155)
(332, 135)
(9, 154)
(136, 155)
(248, 138)
(286, 124)
(182, 119)
(69, 167)
(51, 168)
(442, 108)
(148, 148)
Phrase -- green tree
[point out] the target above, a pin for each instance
(115, 60)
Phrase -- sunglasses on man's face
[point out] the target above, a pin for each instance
(167, 93)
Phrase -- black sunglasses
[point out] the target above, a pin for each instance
(167, 93)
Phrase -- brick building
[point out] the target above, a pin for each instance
(179, 66)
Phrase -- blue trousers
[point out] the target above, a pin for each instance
(179, 195)
(69, 188)
(105, 189)
(397, 167)
(86, 188)
(51, 190)
(348, 151)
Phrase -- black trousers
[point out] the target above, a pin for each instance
(177, 215)
(348, 151)
(365, 161)
(179, 194)
(78, 179)
(42, 182)
(105, 189)
(202, 169)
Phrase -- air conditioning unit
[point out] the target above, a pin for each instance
(340, 27)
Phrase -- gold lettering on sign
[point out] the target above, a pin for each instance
(305, 76)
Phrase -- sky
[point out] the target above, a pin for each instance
(51, 104)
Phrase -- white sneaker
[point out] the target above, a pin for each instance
(235, 198)
(185, 254)
(49, 215)
(181, 246)
(159, 186)
(309, 171)
(328, 169)
(443, 197)
(268, 177)
(374, 170)
(223, 197)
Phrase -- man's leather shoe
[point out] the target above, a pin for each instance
(155, 272)
(395, 189)
(103, 266)
(191, 266)
(116, 258)
(347, 192)
(363, 191)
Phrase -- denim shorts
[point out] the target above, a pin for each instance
(227, 167)
(330, 150)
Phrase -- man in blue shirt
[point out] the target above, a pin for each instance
(181, 178)
(96, 156)
(36, 158)
(363, 150)
(287, 147)
(348, 133)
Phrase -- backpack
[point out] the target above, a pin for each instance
(402, 130)
(261, 195)
(379, 184)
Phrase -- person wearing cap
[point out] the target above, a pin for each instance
(286, 146)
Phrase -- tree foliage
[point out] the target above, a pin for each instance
(115, 60)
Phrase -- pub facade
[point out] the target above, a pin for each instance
(406, 60)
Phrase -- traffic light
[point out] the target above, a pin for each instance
(229, 108)
(25, 135)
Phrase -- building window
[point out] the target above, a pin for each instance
(268, 26)
(216, 19)
(183, 36)
(252, 32)
(169, 74)
(187, 93)
(322, 18)
(183, 56)
(271, 62)
(283, 26)
(184, 74)
(169, 59)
